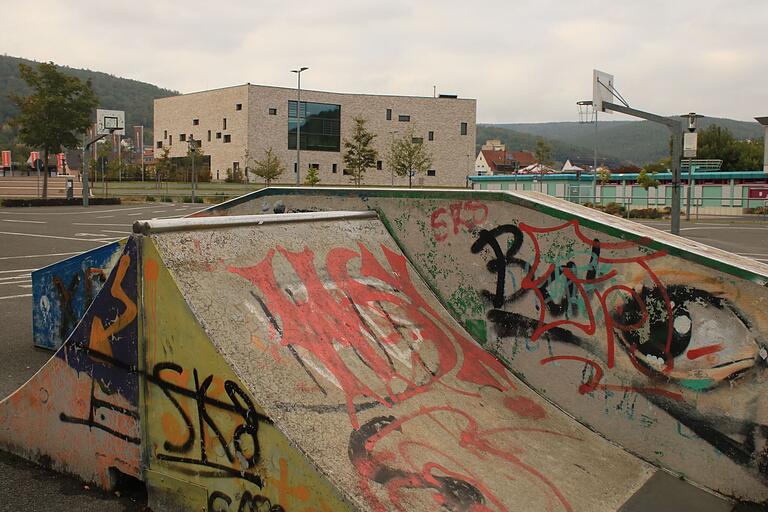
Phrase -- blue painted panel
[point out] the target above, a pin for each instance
(62, 292)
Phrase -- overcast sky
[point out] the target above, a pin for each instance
(524, 61)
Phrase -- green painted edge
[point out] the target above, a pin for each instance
(502, 196)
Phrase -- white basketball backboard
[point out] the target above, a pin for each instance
(110, 121)
(602, 89)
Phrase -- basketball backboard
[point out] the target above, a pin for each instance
(110, 121)
(602, 89)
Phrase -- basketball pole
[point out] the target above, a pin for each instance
(676, 127)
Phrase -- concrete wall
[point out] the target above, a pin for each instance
(656, 342)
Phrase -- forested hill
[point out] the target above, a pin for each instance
(639, 142)
(132, 96)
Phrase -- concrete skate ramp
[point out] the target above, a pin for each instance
(328, 336)
(656, 342)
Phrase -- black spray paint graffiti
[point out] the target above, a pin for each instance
(662, 335)
(243, 448)
(221, 502)
(94, 279)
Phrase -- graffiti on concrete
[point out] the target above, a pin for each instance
(675, 340)
(62, 292)
(461, 216)
(360, 325)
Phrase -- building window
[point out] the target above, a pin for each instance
(431, 172)
(182, 137)
(224, 123)
(273, 111)
(431, 135)
(346, 172)
(235, 166)
(378, 164)
(227, 139)
(239, 106)
(195, 122)
(389, 114)
(170, 140)
(159, 144)
(165, 134)
(295, 166)
(463, 128)
(404, 119)
(320, 126)
(334, 169)
(209, 135)
(314, 166)
(417, 140)
(218, 135)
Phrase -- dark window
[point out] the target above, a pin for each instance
(346, 172)
(314, 166)
(417, 140)
(235, 166)
(182, 137)
(227, 138)
(389, 114)
(378, 164)
(224, 123)
(334, 168)
(165, 134)
(239, 106)
(195, 122)
(431, 172)
(431, 135)
(463, 128)
(159, 144)
(320, 126)
(218, 135)
(199, 143)
(404, 119)
(170, 140)
(295, 166)
(273, 111)
(209, 135)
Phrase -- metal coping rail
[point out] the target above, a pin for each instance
(146, 227)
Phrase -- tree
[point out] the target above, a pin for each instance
(163, 165)
(312, 178)
(56, 112)
(646, 177)
(543, 152)
(269, 168)
(603, 175)
(359, 155)
(407, 157)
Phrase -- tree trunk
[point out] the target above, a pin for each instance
(45, 173)
(410, 179)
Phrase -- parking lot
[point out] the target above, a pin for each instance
(31, 238)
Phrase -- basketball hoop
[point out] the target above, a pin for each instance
(587, 112)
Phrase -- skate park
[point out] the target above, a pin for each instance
(341, 349)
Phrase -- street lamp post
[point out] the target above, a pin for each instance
(298, 123)
(192, 150)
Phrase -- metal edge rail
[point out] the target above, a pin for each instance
(147, 227)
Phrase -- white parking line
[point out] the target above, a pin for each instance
(18, 270)
(19, 283)
(15, 296)
(39, 255)
(25, 221)
(52, 236)
(25, 286)
(106, 217)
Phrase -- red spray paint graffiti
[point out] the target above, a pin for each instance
(465, 215)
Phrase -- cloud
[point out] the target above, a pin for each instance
(523, 61)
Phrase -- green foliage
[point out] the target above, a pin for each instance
(150, 199)
(312, 178)
(57, 109)
(234, 176)
(269, 168)
(715, 142)
(135, 98)
(543, 152)
(603, 175)
(407, 158)
(645, 213)
(359, 155)
(163, 167)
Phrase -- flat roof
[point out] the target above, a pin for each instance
(719, 175)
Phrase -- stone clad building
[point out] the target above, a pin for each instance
(229, 121)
